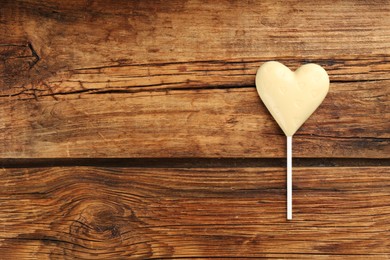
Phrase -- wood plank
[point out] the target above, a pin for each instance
(120, 44)
(134, 53)
(353, 122)
(53, 52)
(96, 213)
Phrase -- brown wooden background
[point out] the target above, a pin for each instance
(132, 129)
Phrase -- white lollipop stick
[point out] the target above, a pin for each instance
(289, 177)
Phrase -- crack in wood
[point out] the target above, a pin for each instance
(147, 88)
(189, 162)
(34, 54)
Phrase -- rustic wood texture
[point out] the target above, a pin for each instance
(199, 123)
(177, 79)
(101, 213)
(168, 86)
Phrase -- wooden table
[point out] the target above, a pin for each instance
(132, 129)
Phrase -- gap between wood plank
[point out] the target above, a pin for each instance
(189, 162)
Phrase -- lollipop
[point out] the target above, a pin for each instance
(291, 97)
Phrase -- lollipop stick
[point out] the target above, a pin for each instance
(289, 177)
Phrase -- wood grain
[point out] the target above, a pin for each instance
(197, 123)
(177, 79)
(102, 45)
(100, 213)
(79, 34)
(164, 84)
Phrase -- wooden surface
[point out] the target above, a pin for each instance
(163, 93)
(91, 213)
(177, 80)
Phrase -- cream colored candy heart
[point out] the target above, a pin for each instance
(291, 97)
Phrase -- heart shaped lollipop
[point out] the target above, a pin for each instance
(291, 97)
